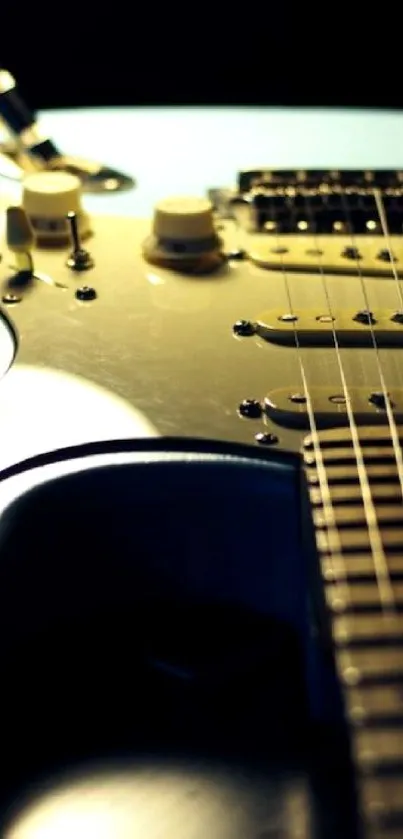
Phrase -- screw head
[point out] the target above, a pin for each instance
(250, 408)
(86, 292)
(298, 398)
(243, 327)
(11, 299)
(265, 438)
(397, 317)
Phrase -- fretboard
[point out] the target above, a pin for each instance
(358, 521)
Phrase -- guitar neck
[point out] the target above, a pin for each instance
(355, 480)
(359, 537)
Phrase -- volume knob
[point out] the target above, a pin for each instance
(47, 199)
(184, 237)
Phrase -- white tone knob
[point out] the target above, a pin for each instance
(47, 198)
(183, 236)
(51, 194)
(183, 219)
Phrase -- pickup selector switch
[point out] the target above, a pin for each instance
(79, 259)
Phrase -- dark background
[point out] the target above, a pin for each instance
(325, 55)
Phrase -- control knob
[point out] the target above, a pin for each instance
(47, 199)
(184, 237)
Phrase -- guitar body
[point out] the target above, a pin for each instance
(253, 736)
(145, 320)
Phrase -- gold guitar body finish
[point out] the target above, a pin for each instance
(165, 341)
(204, 356)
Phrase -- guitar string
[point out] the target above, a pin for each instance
(382, 572)
(377, 550)
(398, 285)
(388, 403)
(385, 230)
(340, 582)
(380, 562)
(338, 576)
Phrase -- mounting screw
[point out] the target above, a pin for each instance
(86, 292)
(265, 438)
(243, 327)
(250, 408)
(299, 398)
(365, 316)
(11, 299)
(397, 317)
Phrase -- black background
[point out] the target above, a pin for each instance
(293, 54)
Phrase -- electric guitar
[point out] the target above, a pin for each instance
(261, 320)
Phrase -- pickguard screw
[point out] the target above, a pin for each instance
(397, 317)
(250, 408)
(86, 292)
(11, 299)
(265, 438)
(243, 327)
(299, 398)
